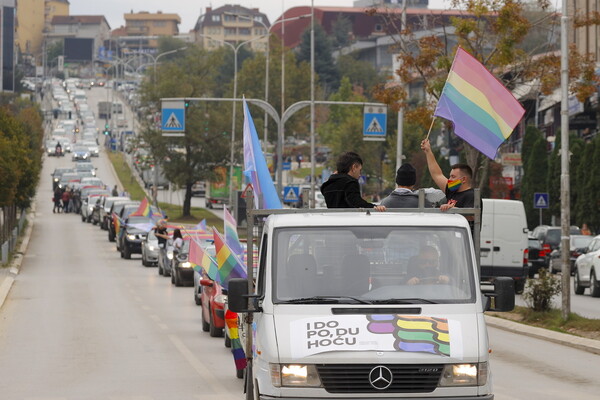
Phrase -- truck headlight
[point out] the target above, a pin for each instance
(186, 264)
(464, 374)
(130, 236)
(294, 375)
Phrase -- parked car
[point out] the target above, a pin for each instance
(538, 256)
(130, 242)
(578, 244)
(588, 269)
(150, 250)
(213, 310)
(199, 189)
(182, 273)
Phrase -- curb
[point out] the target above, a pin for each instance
(15, 264)
(578, 342)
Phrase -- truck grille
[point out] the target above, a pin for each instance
(406, 378)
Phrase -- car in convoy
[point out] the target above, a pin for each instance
(209, 247)
(150, 250)
(588, 269)
(182, 272)
(80, 153)
(92, 147)
(68, 179)
(577, 245)
(57, 174)
(550, 235)
(115, 211)
(105, 213)
(213, 307)
(134, 233)
(88, 204)
(537, 255)
(85, 166)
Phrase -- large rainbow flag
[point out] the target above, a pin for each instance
(483, 111)
(143, 210)
(231, 235)
(229, 264)
(239, 357)
(201, 259)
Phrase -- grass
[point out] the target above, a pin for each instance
(173, 211)
(302, 172)
(552, 320)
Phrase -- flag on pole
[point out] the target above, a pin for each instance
(202, 260)
(201, 226)
(483, 111)
(143, 210)
(228, 263)
(239, 357)
(231, 236)
(255, 167)
(117, 224)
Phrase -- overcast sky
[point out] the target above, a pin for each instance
(190, 10)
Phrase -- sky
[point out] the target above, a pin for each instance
(190, 10)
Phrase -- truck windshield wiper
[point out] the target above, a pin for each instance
(328, 299)
(414, 300)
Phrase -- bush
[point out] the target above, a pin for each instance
(539, 292)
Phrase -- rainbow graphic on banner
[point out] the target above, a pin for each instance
(239, 357)
(483, 111)
(413, 334)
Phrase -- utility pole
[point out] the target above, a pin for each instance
(565, 212)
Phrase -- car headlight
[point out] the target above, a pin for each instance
(464, 375)
(152, 248)
(294, 375)
(130, 236)
(55, 179)
(169, 254)
(85, 156)
(185, 264)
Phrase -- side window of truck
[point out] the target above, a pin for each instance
(260, 288)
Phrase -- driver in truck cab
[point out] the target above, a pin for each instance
(425, 268)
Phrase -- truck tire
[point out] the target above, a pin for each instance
(519, 286)
(577, 286)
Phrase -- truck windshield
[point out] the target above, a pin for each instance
(376, 265)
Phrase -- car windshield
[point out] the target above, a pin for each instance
(553, 237)
(373, 265)
(85, 167)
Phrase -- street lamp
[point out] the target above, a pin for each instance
(235, 51)
(155, 59)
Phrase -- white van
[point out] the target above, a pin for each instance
(504, 245)
(336, 311)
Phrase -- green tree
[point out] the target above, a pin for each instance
(592, 188)
(584, 207)
(341, 32)
(325, 66)
(534, 177)
(361, 73)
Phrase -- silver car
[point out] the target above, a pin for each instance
(150, 250)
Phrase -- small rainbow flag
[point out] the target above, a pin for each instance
(143, 210)
(239, 357)
(231, 235)
(117, 223)
(483, 111)
(201, 226)
(201, 260)
(229, 264)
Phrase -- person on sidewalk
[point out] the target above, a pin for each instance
(342, 189)
(404, 195)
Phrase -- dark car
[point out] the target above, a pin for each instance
(116, 209)
(134, 232)
(105, 213)
(213, 307)
(578, 245)
(57, 174)
(182, 273)
(538, 256)
(550, 235)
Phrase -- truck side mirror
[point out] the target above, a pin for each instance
(502, 298)
(237, 297)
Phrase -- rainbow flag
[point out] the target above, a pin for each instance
(483, 111)
(229, 264)
(202, 260)
(143, 210)
(117, 223)
(239, 357)
(201, 226)
(231, 236)
(255, 167)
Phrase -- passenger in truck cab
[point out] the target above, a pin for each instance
(425, 268)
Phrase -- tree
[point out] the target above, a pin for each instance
(584, 207)
(361, 73)
(341, 31)
(494, 32)
(534, 176)
(592, 188)
(325, 66)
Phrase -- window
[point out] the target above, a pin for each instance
(229, 18)
(216, 18)
(244, 31)
(258, 18)
(230, 32)
(160, 23)
(378, 28)
(260, 31)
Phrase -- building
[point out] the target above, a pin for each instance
(33, 21)
(586, 38)
(7, 52)
(391, 3)
(142, 30)
(232, 24)
(88, 30)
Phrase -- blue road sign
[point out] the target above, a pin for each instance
(291, 194)
(287, 166)
(541, 200)
(173, 120)
(374, 123)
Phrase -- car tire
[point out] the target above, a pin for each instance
(227, 340)
(126, 252)
(214, 331)
(173, 278)
(519, 286)
(111, 237)
(197, 298)
(144, 262)
(82, 218)
(594, 284)
(577, 286)
(160, 270)
(205, 325)
(178, 280)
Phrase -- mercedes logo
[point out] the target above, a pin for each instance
(380, 377)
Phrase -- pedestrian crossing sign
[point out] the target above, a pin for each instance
(374, 122)
(173, 116)
(541, 200)
(291, 194)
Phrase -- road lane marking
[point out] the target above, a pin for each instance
(211, 379)
(138, 299)
(155, 317)
(163, 327)
(146, 308)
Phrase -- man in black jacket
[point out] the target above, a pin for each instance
(404, 196)
(342, 189)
